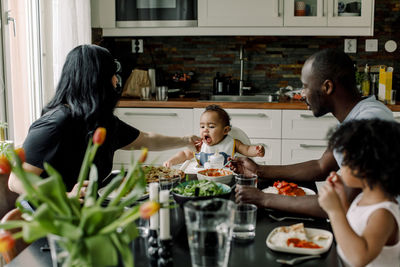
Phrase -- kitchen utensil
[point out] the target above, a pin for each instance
(297, 260)
(279, 219)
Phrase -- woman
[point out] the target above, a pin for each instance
(85, 98)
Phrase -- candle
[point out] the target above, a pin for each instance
(164, 216)
(153, 195)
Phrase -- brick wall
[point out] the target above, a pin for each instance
(272, 61)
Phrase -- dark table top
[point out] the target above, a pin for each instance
(253, 253)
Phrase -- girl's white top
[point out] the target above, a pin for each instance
(358, 216)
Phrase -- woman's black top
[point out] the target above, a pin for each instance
(61, 140)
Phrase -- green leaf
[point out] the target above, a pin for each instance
(45, 217)
(91, 192)
(102, 251)
(95, 218)
(68, 230)
(115, 182)
(32, 231)
(124, 250)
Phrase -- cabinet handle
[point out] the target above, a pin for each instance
(307, 116)
(248, 115)
(172, 114)
(312, 146)
(397, 117)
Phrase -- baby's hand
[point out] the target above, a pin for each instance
(260, 151)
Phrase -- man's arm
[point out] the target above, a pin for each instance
(313, 170)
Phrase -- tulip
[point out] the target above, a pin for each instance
(21, 153)
(5, 167)
(148, 208)
(7, 241)
(99, 136)
(143, 156)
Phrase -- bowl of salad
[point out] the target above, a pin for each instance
(200, 190)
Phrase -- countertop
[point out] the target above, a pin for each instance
(195, 103)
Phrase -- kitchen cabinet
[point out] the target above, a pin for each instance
(304, 136)
(328, 13)
(171, 122)
(239, 13)
(396, 116)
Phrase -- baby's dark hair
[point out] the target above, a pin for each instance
(371, 149)
(222, 114)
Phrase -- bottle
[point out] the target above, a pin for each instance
(365, 85)
(215, 83)
(374, 88)
(216, 160)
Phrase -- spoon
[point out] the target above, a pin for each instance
(297, 260)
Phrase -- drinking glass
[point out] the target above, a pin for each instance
(209, 226)
(161, 93)
(244, 228)
(246, 180)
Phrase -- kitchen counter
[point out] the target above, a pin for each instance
(195, 103)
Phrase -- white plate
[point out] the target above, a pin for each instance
(325, 243)
(306, 190)
(114, 194)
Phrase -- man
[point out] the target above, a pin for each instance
(329, 85)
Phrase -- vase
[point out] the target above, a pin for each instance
(58, 250)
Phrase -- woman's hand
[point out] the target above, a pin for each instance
(244, 166)
(82, 193)
(328, 199)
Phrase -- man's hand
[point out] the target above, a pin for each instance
(244, 166)
(193, 142)
(248, 194)
(260, 151)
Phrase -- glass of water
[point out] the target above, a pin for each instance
(209, 226)
(244, 228)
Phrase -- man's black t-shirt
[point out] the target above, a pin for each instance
(61, 140)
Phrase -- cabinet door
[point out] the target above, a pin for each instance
(240, 13)
(300, 150)
(350, 13)
(102, 13)
(171, 122)
(272, 151)
(396, 116)
(256, 123)
(301, 124)
(314, 14)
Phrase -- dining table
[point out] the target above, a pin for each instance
(250, 253)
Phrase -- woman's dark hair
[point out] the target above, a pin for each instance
(85, 85)
(371, 149)
(334, 65)
(222, 114)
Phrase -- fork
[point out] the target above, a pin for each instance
(279, 219)
(297, 260)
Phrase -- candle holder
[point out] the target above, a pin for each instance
(152, 251)
(165, 253)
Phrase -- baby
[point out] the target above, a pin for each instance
(214, 129)
(367, 231)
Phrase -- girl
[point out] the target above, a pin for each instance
(367, 231)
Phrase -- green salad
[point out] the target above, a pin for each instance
(206, 188)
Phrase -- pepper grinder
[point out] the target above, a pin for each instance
(165, 242)
(152, 250)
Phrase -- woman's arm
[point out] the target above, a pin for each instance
(248, 150)
(179, 157)
(157, 142)
(15, 185)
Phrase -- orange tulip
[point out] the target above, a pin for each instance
(6, 241)
(143, 156)
(21, 153)
(148, 208)
(99, 136)
(5, 167)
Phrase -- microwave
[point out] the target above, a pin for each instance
(156, 13)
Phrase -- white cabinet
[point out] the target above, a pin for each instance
(396, 116)
(239, 13)
(304, 136)
(328, 13)
(171, 122)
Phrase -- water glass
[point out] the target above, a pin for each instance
(209, 226)
(145, 93)
(244, 228)
(162, 93)
(246, 180)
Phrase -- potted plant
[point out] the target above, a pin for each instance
(88, 233)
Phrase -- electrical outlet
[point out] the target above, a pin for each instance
(371, 45)
(350, 45)
(137, 46)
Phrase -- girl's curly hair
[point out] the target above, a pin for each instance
(371, 149)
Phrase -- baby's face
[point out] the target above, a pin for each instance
(212, 130)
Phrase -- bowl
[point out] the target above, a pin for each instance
(216, 175)
(181, 199)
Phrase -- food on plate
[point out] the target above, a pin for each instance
(153, 173)
(285, 188)
(293, 236)
(215, 172)
(205, 188)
